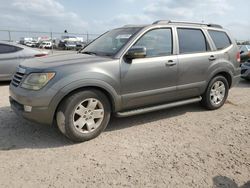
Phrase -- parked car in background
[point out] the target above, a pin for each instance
(31, 44)
(66, 45)
(11, 55)
(128, 71)
(245, 67)
(245, 71)
(46, 45)
(80, 45)
(71, 39)
(244, 49)
(69, 45)
(245, 59)
(24, 40)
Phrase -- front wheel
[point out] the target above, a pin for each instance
(216, 93)
(83, 115)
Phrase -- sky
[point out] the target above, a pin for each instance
(97, 16)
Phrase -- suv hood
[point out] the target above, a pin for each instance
(52, 61)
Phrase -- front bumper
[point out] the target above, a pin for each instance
(39, 115)
(245, 70)
(42, 111)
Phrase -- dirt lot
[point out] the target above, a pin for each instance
(181, 147)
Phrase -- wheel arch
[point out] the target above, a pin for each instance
(109, 91)
(223, 72)
(227, 76)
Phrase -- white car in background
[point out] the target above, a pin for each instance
(11, 55)
(46, 45)
(31, 44)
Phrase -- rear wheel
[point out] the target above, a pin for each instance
(216, 93)
(83, 115)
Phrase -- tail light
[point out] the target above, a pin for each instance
(40, 55)
(238, 57)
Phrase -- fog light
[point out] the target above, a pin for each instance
(27, 108)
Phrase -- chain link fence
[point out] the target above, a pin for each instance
(17, 35)
(243, 42)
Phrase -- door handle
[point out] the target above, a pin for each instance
(170, 63)
(212, 58)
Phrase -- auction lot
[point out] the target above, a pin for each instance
(180, 147)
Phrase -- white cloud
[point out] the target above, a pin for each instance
(187, 10)
(239, 29)
(119, 21)
(41, 15)
(46, 15)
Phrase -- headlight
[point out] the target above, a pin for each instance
(36, 81)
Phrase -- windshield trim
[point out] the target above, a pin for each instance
(115, 54)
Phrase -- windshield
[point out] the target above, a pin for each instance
(111, 42)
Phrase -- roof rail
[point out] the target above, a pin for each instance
(189, 23)
(214, 25)
(162, 22)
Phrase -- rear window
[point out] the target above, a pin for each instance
(220, 38)
(192, 41)
(5, 48)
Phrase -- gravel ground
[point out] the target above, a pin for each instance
(180, 147)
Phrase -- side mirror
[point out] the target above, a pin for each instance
(136, 52)
(241, 52)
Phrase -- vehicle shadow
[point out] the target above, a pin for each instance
(4, 83)
(243, 84)
(122, 123)
(17, 133)
(225, 182)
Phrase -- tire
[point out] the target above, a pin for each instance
(83, 115)
(211, 93)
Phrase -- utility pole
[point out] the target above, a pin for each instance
(51, 35)
(87, 37)
(9, 35)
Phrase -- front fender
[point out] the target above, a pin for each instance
(62, 93)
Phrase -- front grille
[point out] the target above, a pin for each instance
(17, 78)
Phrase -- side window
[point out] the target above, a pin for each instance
(158, 42)
(192, 41)
(5, 48)
(220, 38)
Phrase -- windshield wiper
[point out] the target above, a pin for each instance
(89, 53)
(106, 54)
(97, 53)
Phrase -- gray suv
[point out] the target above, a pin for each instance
(127, 71)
